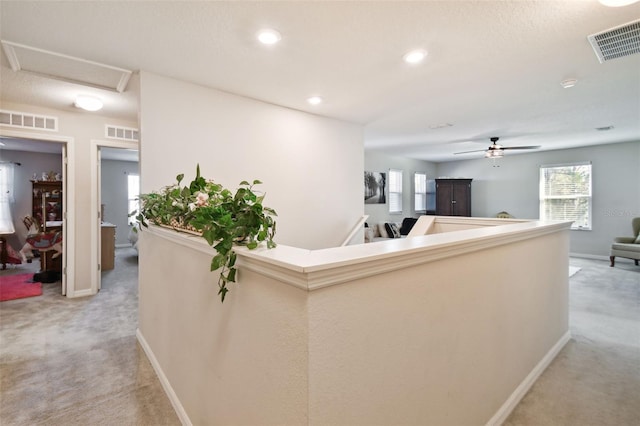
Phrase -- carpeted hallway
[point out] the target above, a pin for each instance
(77, 362)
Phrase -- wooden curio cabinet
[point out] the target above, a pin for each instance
(453, 197)
(47, 201)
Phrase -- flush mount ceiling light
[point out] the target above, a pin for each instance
(315, 100)
(616, 3)
(268, 36)
(88, 103)
(415, 56)
(570, 82)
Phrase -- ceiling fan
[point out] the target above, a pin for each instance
(497, 151)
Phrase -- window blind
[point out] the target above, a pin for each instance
(395, 191)
(565, 193)
(420, 185)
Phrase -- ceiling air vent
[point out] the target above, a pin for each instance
(616, 42)
(28, 121)
(122, 133)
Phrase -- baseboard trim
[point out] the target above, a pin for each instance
(80, 293)
(589, 256)
(501, 415)
(175, 402)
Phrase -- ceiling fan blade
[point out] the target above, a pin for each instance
(521, 147)
(468, 152)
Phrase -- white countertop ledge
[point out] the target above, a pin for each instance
(313, 269)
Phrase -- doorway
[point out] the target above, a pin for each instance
(57, 145)
(113, 163)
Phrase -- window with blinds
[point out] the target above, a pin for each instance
(395, 191)
(133, 191)
(565, 193)
(420, 191)
(6, 197)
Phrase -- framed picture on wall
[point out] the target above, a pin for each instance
(374, 187)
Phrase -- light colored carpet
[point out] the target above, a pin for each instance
(595, 379)
(77, 361)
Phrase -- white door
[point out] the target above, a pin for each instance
(65, 223)
(99, 192)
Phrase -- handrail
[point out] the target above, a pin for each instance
(355, 229)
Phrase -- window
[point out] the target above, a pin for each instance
(395, 191)
(6, 197)
(420, 190)
(134, 191)
(565, 193)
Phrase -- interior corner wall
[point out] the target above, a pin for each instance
(311, 167)
(379, 162)
(514, 187)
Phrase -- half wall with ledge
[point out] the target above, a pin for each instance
(447, 328)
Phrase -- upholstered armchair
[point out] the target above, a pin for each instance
(627, 247)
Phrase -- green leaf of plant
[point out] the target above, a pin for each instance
(217, 262)
(231, 277)
(180, 177)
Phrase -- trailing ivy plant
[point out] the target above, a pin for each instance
(223, 218)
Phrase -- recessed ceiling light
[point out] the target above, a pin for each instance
(415, 56)
(88, 103)
(616, 3)
(269, 36)
(570, 82)
(315, 100)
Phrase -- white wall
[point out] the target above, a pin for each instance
(31, 162)
(378, 162)
(353, 336)
(115, 195)
(311, 166)
(514, 187)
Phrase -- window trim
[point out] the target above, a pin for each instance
(391, 193)
(415, 193)
(542, 196)
(131, 220)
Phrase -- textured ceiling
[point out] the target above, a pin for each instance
(494, 67)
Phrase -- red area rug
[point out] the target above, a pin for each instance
(18, 287)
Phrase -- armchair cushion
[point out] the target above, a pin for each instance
(625, 240)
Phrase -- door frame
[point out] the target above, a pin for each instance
(96, 195)
(68, 192)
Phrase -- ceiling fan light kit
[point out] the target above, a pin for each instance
(497, 151)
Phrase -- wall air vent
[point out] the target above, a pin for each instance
(122, 133)
(25, 120)
(616, 42)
